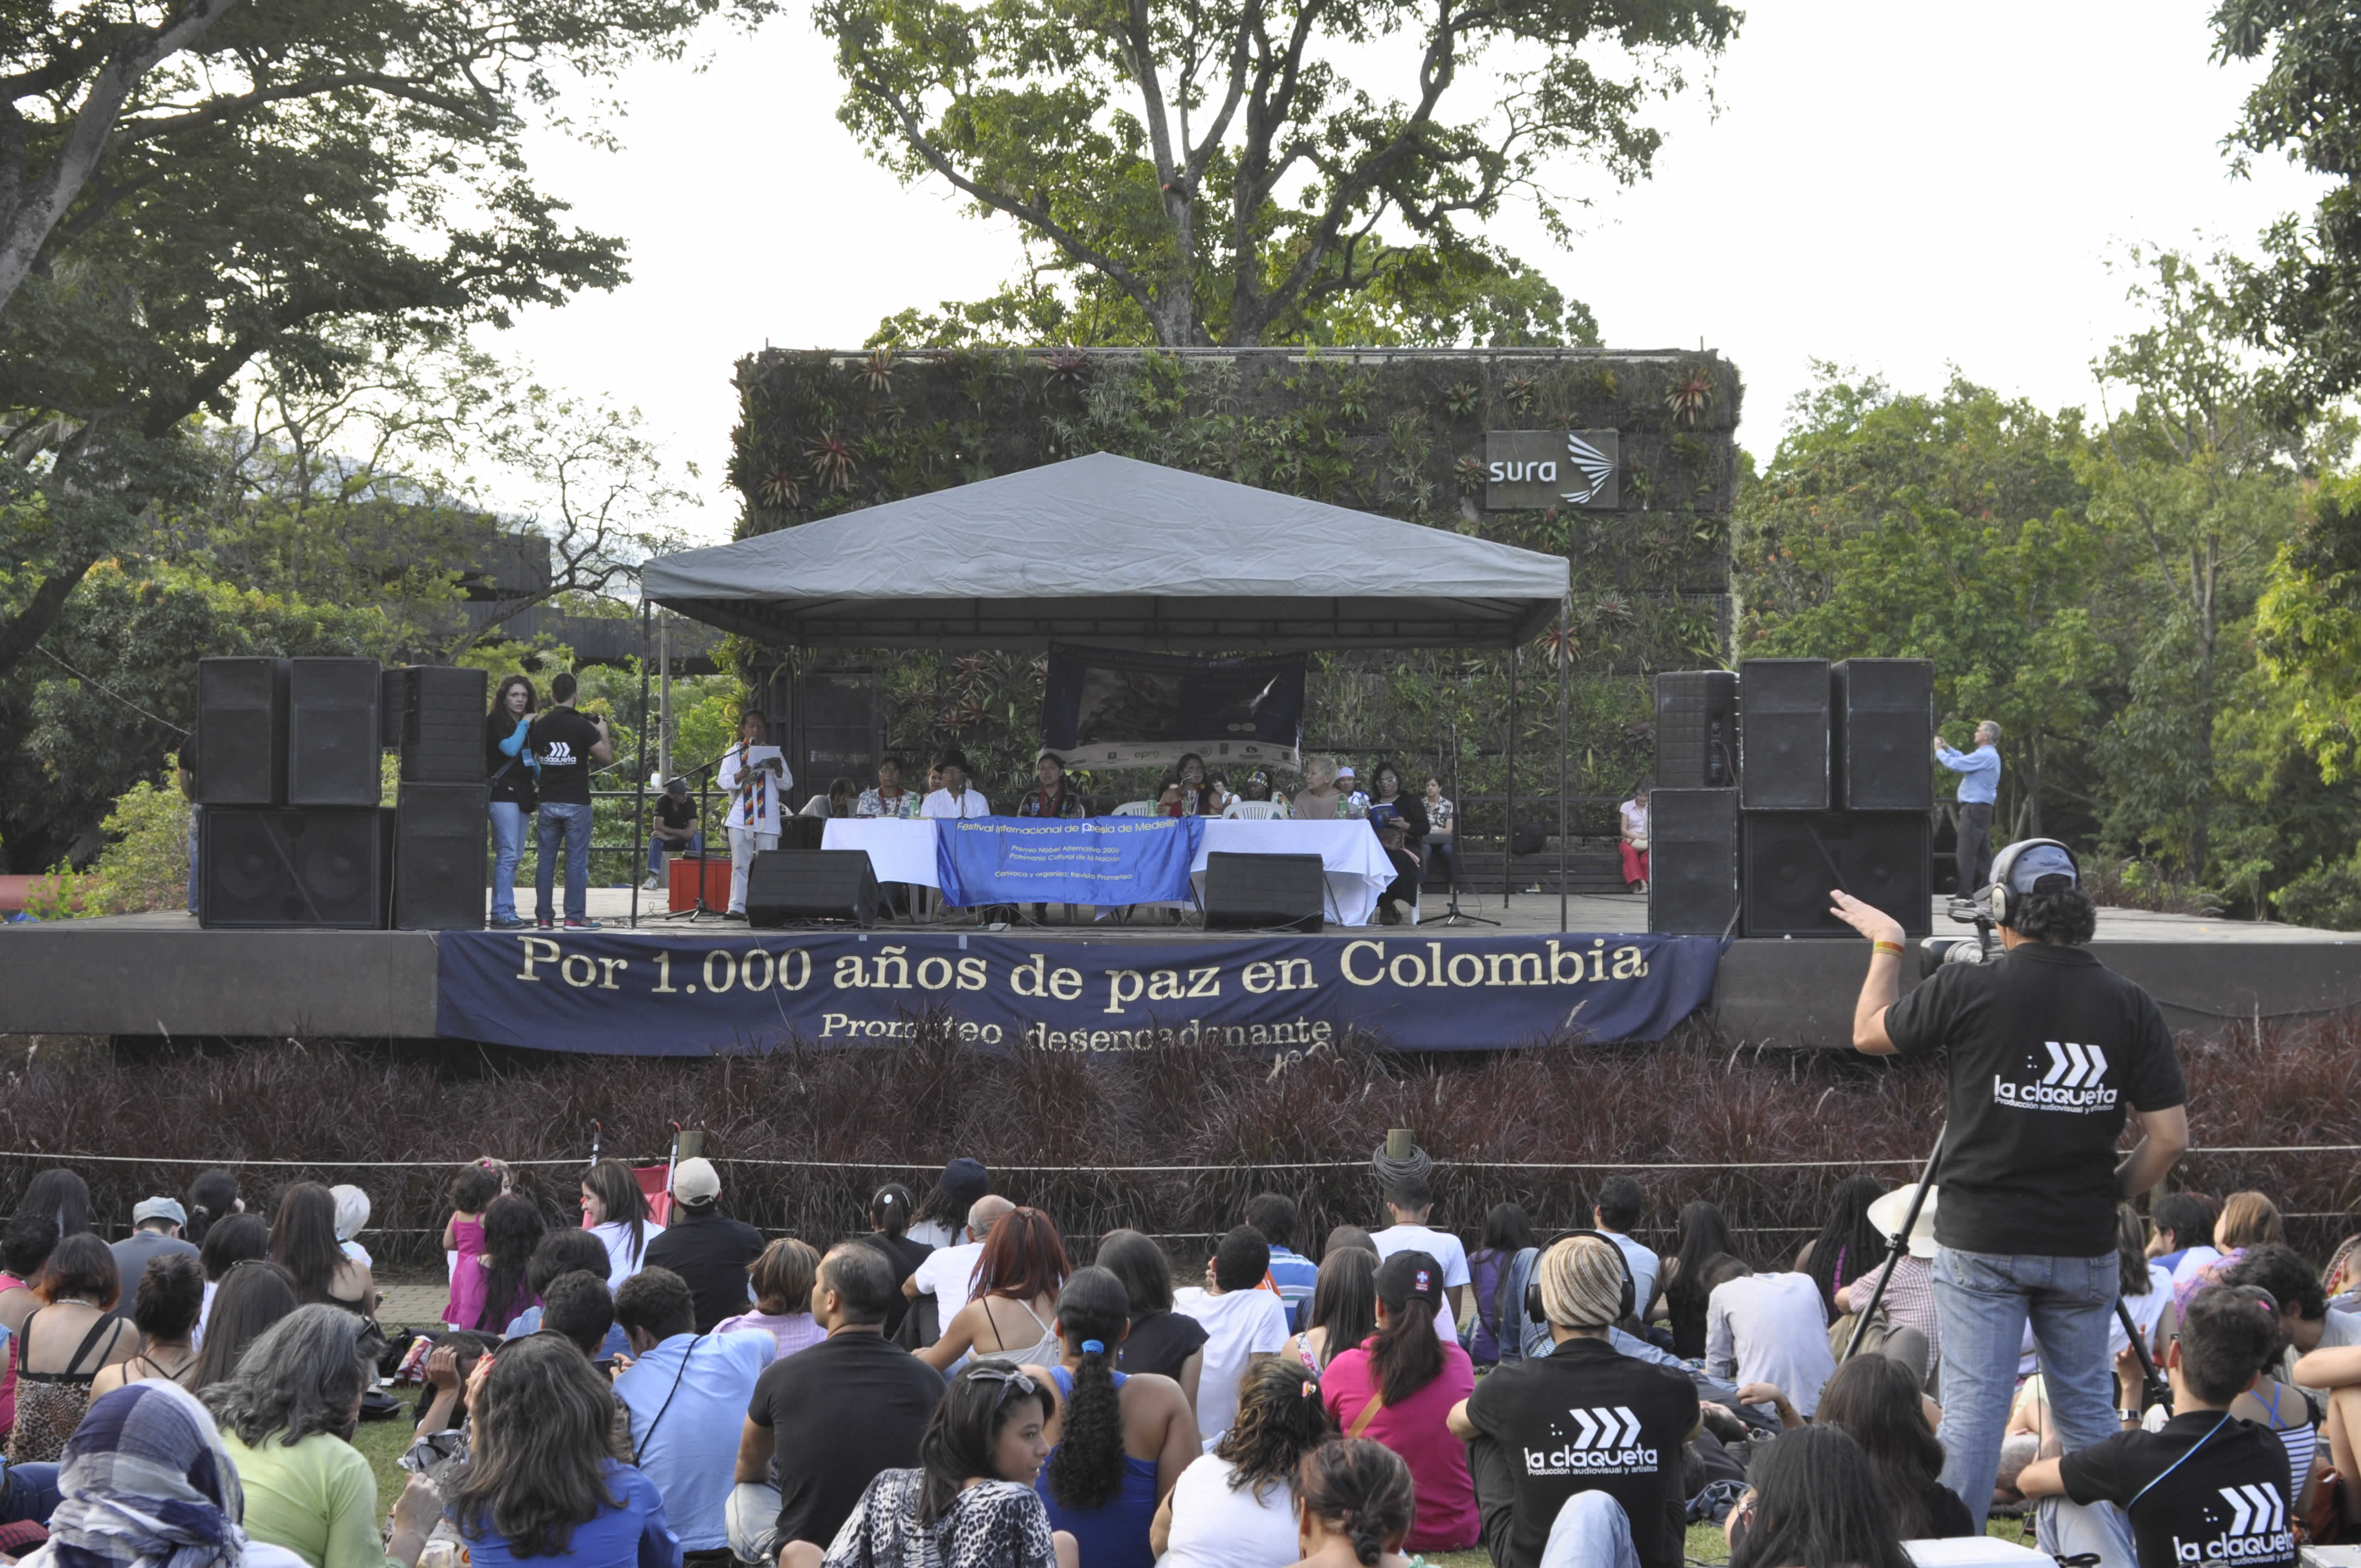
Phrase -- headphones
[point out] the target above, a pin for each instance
(1999, 899)
(1624, 1306)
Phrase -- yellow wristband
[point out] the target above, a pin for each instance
(1882, 946)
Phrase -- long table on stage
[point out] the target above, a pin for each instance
(903, 849)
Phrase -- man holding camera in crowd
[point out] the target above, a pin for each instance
(2047, 1051)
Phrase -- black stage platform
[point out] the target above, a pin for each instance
(159, 975)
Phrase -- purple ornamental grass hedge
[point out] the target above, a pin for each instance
(857, 1118)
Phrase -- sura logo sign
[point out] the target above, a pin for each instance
(2257, 1530)
(2073, 1079)
(1531, 470)
(1605, 1442)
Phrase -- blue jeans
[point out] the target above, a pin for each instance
(568, 824)
(656, 848)
(28, 1492)
(196, 818)
(1591, 1531)
(508, 846)
(1981, 1302)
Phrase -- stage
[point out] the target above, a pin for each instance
(161, 975)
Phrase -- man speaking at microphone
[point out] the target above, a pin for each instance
(2046, 1050)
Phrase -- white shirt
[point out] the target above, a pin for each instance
(1239, 1326)
(774, 793)
(971, 802)
(617, 1236)
(2144, 1310)
(1635, 818)
(945, 1274)
(1769, 1328)
(1213, 1527)
(1255, 811)
(1444, 1249)
(2193, 1260)
(936, 1233)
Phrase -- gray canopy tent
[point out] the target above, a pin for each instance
(1118, 553)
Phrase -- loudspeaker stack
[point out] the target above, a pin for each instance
(293, 832)
(1832, 789)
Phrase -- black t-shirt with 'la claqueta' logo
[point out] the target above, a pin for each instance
(1582, 1419)
(2047, 1051)
(561, 742)
(2209, 1491)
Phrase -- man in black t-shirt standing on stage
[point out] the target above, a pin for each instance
(2047, 1051)
(565, 746)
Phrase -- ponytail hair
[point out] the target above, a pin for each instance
(1363, 1489)
(889, 1210)
(1086, 1470)
(212, 1197)
(1407, 1354)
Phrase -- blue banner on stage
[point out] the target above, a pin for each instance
(1089, 859)
(688, 995)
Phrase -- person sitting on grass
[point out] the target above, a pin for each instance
(685, 1393)
(970, 1500)
(235, 1239)
(2208, 1482)
(1354, 1502)
(560, 1253)
(1400, 1387)
(1243, 1323)
(1169, 1344)
(254, 1295)
(1811, 1502)
(1234, 1505)
(782, 1278)
(172, 1289)
(1876, 1401)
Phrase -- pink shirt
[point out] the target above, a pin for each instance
(1445, 1519)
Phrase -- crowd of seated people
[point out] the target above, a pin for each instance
(949, 1384)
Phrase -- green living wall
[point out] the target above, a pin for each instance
(1391, 432)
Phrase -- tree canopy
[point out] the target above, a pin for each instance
(1193, 173)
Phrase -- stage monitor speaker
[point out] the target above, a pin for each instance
(1782, 743)
(439, 842)
(333, 732)
(443, 723)
(811, 884)
(801, 833)
(1254, 893)
(1696, 730)
(315, 865)
(241, 731)
(1692, 861)
(1793, 858)
(1884, 712)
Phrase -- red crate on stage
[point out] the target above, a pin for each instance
(682, 871)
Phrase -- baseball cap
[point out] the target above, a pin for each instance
(2025, 874)
(965, 1180)
(695, 1181)
(149, 1209)
(1346, 772)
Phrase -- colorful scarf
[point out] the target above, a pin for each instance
(145, 1484)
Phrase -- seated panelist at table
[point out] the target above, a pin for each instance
(889, 798)
(954, 799)
(837, 801)
(1050, 796)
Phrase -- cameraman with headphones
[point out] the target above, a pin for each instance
(1577, 1455)
(2046, 1050)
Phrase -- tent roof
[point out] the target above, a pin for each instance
(1116, 552)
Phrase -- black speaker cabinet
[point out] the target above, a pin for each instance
(1794, 859)
(1261, 892)
(801, 833)
(391, 682)
(811, 884)
(1884, 712)
(1783, 748)
(241, 731)
(441, 835)
(333, 732)
(319, 865)
(1692, 861)
(443, 709)
(1696, 730)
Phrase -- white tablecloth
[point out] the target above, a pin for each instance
(904, 850)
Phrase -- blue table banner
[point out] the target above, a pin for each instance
(691, 993)
(1084, 859)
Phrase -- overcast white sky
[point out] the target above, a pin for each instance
(1894, 185)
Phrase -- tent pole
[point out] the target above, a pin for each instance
(1509, 819)
(1561, 823)
(640, 771)
(664, 697)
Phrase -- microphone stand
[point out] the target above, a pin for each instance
(1453, 914)
(1896, 1245)
(2155, 1388)
(700, 909)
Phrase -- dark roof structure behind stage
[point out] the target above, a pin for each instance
(1111, 550)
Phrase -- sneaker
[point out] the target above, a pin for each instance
(545, 923)
(573, 925)
(654, 885)
(510, 923)
(733, 914)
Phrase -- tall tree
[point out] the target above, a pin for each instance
(1211, 168)
(292, 182)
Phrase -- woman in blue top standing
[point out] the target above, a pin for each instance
(1121, 1442)
(508, 767)
(545, 1480)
